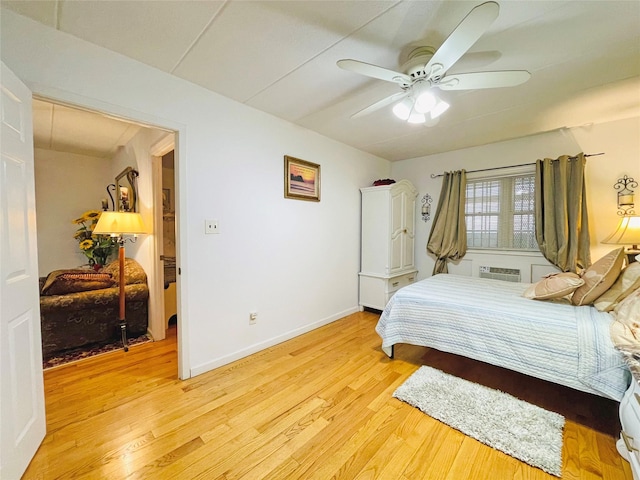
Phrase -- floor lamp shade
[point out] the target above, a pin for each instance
(120, 223)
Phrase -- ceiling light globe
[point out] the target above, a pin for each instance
(402, 110)
(425, 102)
(439, 109)
(416, 118)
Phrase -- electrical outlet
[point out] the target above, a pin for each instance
(253, 318)
(211, 226)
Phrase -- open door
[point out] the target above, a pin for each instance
(22, 415)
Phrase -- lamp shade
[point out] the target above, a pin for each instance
(627, 232)
(119, 223)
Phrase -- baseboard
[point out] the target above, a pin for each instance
(257, 347)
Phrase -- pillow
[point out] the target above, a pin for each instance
(627, 282)
(625, 331)
(69, 281)
(133, 272)
(599, 277)
(556, 285)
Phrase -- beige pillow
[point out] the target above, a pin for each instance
(599, 277)
(625, 331)
(556, 285)
(627, 282)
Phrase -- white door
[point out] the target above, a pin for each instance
(22, 417)
(397, 231)
(409, 222)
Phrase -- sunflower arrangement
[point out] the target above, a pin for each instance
(97, 248)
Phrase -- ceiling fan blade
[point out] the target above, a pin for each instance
(379, 104)
(374, 71)
(472, 81)
(468, 31)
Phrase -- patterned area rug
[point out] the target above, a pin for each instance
(524, 431)
(87, 351)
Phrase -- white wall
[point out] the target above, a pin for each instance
(294, 262)
(619, 141)
(67, 185)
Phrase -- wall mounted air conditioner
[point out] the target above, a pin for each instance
(499, 273)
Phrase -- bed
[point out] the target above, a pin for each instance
(490, 321)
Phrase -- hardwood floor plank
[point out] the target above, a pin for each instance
(284, 470)
(497, 465)
(350, 446)
(317, 407)
(465, 464)
(614, 466)
(372, 464)
(375, 449)
(436, 460)
(168, 458)
(270, 455)
(571, 465)
(589, 452)
(318, 451)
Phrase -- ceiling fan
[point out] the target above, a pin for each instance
(426, 70)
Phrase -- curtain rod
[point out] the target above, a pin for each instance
(513, 166)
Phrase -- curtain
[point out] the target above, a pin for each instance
(448, 237)
(562, 225)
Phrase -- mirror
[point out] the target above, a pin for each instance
(126, 191)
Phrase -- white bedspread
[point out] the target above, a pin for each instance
(489, 320)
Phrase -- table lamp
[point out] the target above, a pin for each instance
(627, 233)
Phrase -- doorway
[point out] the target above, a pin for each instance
(169, 239)
(77, 155)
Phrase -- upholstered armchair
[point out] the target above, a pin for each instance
(80, 307)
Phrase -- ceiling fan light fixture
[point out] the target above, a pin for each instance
(405, 111)
(439, 109)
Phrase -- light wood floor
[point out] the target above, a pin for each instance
(316, 407)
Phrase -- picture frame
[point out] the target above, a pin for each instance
(301, 179)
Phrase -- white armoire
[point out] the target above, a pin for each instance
(388, 233)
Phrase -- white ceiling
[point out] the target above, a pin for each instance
(64, 129)
(280, 57)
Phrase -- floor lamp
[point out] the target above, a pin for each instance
(119, 224)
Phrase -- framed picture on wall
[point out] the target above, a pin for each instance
(301, 179)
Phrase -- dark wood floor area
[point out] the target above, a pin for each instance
(316, 407)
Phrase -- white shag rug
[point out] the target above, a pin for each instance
(524, 431)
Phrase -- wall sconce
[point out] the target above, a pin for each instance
(624, 186)
(426, 207)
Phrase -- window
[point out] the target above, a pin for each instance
(499, 213)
